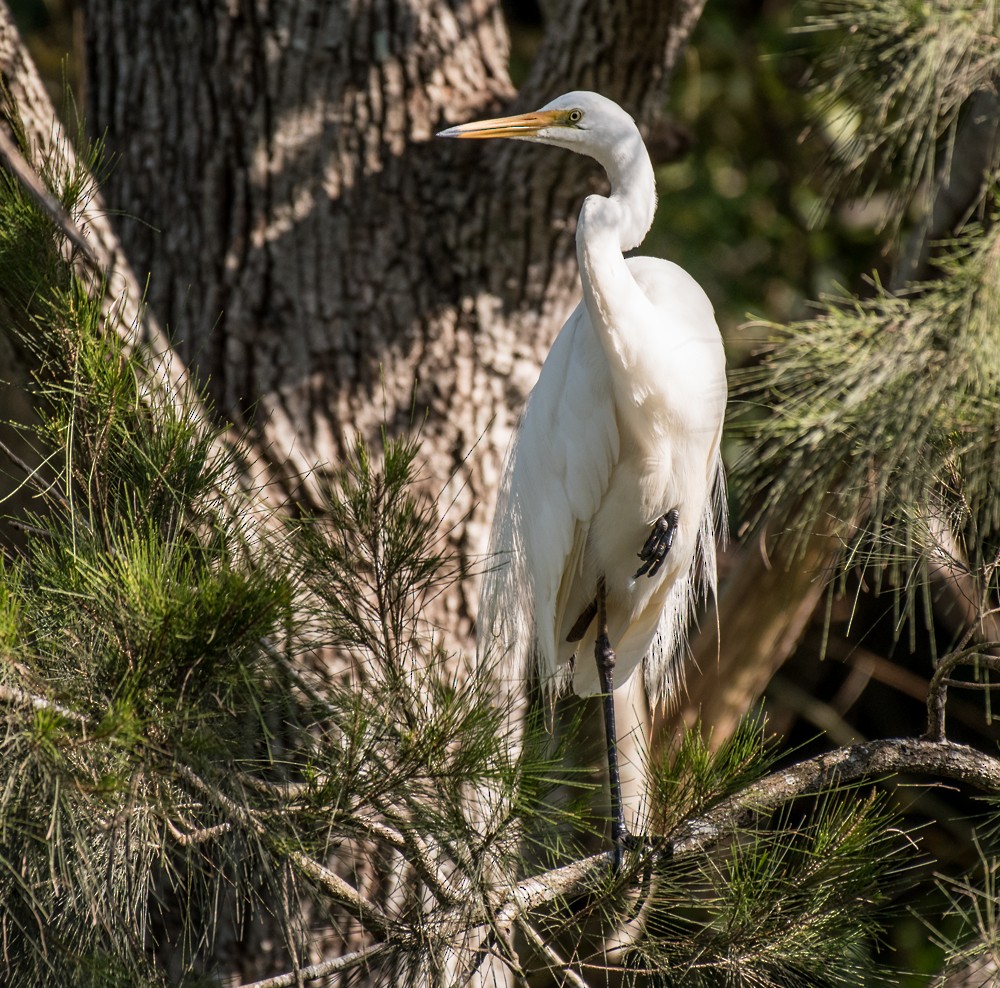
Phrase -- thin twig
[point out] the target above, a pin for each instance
(31, 475)
(919, 756)
(50, 205)
(320, 970)
(835, 768)
(198, 836)
(21, 698)
(17, 460)
(43, 490)
(371, 917)
(937, 692)
(555, 959)
(403, 839)
(413, 845)
(277, 790)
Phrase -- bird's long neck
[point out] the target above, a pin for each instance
(608, 226)
(633, 190)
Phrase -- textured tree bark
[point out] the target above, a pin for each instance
(979, 972)
(316, 257)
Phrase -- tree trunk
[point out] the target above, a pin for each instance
(740, 647)
(316, 256)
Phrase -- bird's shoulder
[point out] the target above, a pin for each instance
(668, 286)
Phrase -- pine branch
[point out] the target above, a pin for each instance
(371, 917)
(201, 836)
(21, 698)
(920, 756)
(404, 839)
(901, 73)
(823, 773)
(336, 965)
(408, 842)
(48, 203)
(558, 963)
(959, 187)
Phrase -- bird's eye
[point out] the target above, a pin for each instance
(574, 116)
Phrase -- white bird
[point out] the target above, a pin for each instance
(613, 489)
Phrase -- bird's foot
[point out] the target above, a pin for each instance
(656, 547)
(624, 841)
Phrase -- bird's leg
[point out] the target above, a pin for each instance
(658, 544)
(582, 623)
(605, 657)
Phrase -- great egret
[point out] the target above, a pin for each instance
(613, 488)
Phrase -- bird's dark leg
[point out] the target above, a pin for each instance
(605, 669)
(658, 544)
(582, 623)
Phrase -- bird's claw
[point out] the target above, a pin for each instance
(657, 546)
(625, 841)
(633, 842)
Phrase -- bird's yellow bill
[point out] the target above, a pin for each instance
(521, 125)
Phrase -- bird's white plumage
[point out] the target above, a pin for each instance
(622, 426)
(589, 472)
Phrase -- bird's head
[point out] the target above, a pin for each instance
(593, 125)
(587, 123)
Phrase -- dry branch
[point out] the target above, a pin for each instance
(875, 759)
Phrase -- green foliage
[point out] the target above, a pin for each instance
(870, 426)
(883, 410)
(694, 778)
(737, 210)
(186, 745)
(795, 905)
(211, 718)
(972, 945)
(130, 626)
(371, 556)
(794, 899)
(885, 424)
(893, 80)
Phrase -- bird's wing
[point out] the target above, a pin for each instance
(558, 470)
(665, 669)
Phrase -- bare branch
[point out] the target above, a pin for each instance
(320, 970)
(569, 976)
(21, 698)
(937, 693)
(372, 918)
(198, 836)
(35, 187)
(418, 855)
(400, 837)
(918, 756)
